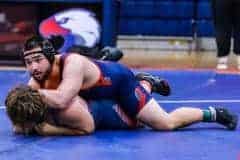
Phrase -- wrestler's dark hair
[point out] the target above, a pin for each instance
(47, 46)
(24, 104)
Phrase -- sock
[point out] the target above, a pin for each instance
(209, 115)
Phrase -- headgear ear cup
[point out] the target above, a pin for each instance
(57, 41)
(48, 50)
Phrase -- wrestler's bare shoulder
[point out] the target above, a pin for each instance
(75, 57)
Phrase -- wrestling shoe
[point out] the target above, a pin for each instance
(224, 117)
(159, 85)
(111, 54)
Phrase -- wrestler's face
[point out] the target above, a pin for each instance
(37, 64)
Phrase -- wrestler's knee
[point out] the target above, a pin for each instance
(156, 117)
(88, 129)
(166, 126)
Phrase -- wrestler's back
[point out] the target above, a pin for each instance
(113, 78)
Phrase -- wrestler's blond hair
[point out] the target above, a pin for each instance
(25, 104)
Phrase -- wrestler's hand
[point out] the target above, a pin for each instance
(41, 128)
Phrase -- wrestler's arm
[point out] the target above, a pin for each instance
(46, 129)
(73, 120)
(33, 84)
(69, 86)
(76, 121)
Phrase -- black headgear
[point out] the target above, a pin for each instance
(47, 49)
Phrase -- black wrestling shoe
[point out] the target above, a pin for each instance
(111, 54)
(224, 117)
(159, 85)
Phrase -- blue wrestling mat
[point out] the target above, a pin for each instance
(197, 142)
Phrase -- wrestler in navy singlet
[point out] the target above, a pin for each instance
(108, 115)
(118, 83)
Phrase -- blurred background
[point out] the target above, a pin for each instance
(151, 33)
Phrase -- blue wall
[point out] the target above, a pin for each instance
(166, 17)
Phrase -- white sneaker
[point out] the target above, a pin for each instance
(238, 62)
(223, 66)
(223, 63)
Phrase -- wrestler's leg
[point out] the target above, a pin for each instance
(108, 114)
(137, 102)
(156, 117)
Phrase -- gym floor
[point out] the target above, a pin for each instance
(190, 87)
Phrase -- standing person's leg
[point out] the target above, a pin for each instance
(236, 30)
(222, 16)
